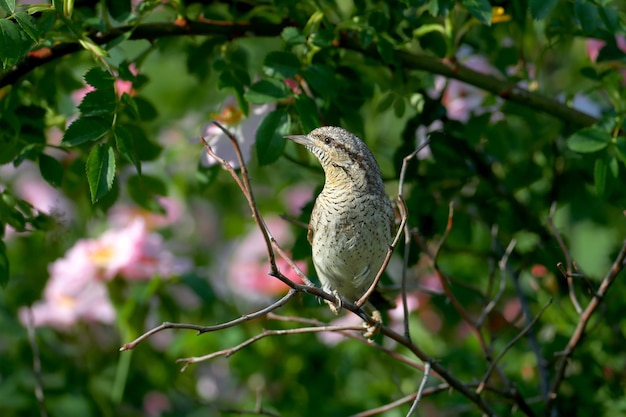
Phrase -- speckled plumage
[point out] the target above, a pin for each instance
(352, 221)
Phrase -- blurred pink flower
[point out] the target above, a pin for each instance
(155, 404)
(72, 293)
(296, 198)
(334, 338)
(249, 266)
(244, 129)
(595, 45)
(132, 252)
(462, 100)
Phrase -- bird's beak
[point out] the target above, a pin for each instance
(301, 139)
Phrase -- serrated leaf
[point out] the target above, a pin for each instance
(480, 9)
(539, 9)
(99, 78)
(11, 43)
(270, 136)
(125, 145)
(281, 64)
(8, 6)
(267, 91)
(144, 189)
(307, 112)
(98, 103)
(28, 25)
(4, 265)
(85, 129)
(51, 170)
(100, 171)
(590, 139)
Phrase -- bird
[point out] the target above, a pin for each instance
(352, 221)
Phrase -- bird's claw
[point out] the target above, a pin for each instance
(372, 329)
(336, 306)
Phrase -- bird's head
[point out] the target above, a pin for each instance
(337, 148)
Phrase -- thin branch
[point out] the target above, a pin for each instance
(206, 329)
(400, 401)
(265, 333)
(568, 260)
(509, 345)
(502, 266)
(407, 238)
(576, 337)
(420, 391)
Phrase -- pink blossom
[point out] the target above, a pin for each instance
(72, 293)
(155, 404)
(244, 129)
(334, 338)
(296, 198)
(134, 253)
(248, 271)
(595, 45)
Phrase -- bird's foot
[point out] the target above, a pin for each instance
(337, 305)
(372, 329)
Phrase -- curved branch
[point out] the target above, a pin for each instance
(411, 60)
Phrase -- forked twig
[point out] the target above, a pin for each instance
(509, 345)
(568, 273)
(420, 390)
(576, 337)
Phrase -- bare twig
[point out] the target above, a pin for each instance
(579, 331)
(206, 329)
(502, 266)
(404, 400)
(407, 237)
(265, 333)
(509, 345)
(420, 391)
(568, 273)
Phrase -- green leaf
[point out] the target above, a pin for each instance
(267, 91)
(28, 25)
(51, 170)
(480, 9)
(307, 112)
(539, 9)
(620, 147)
(4, 265)
(125, 145)
(11, 43)
(323, 38)
(281, 64)
(98, 103)
(590, 139)
(118, 9)
(322, 80)
(99, 78)
(588, 16)
(292, 36)
(8, 5)
(146, 109)
(100, 171)
(85, 129)
(385, 48)
(144, 189)
(270, 140)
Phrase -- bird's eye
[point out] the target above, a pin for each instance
(327, 140)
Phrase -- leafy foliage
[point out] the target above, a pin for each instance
(524, 107)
